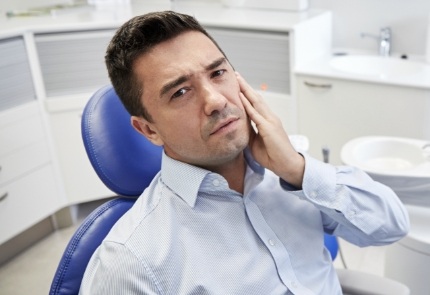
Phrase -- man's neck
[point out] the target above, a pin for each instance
(233, 172)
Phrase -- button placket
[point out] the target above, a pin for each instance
(272, 242)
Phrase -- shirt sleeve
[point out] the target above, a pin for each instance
(113, 269)
(352, 205)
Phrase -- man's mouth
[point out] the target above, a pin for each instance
(224, 125)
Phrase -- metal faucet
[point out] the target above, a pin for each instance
(384, 40)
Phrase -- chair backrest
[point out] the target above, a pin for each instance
(123, 159)
(68, 277)
(126, 163)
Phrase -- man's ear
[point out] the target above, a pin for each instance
(147, 129)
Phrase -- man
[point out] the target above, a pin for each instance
(234, 210)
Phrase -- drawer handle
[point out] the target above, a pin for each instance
(327, 86)
(3, 197)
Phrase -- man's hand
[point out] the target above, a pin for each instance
(270, 145)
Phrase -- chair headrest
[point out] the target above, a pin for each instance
(124, 160)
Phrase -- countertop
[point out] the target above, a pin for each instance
(321, 68)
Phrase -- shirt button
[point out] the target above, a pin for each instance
(313, 194)
(272, 242)
(215, 182)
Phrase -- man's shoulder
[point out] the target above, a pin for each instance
(128, 225)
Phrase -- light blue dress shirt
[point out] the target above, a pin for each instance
(190, 234)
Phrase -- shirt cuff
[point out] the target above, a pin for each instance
(286, 186)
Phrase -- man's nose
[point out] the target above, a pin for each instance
(213, 100)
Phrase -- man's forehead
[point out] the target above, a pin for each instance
(182, 55)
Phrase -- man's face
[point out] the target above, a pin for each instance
(192, 94)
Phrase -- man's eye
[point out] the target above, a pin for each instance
(218, 73)
(179, 93)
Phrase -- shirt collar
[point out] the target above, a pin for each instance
(182, 178)
(254, 165)
(185, 179)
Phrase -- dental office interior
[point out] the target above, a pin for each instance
(350, 81)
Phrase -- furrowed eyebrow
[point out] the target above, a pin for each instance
(216, 64)
(167, 87)
(170, 85)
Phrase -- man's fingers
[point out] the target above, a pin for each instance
(250, 110)
(255, 99)
(247, 90)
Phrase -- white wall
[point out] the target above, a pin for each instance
(408, 20)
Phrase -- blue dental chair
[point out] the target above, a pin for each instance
(126, 163)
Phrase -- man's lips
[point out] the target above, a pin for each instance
(223, 124)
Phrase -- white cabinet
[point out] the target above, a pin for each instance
(333, 111)
(72, 68)
(72, 62)
(16, 86)
(80, 181)
(28, 191)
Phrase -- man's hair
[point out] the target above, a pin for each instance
(135, 38)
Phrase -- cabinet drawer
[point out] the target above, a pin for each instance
(22, 161)
(20, 127)
(16, 84)
(28, 200)
(73, 62)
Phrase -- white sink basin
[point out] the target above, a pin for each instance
(370, 65)
(388, 155)
(400, 163)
